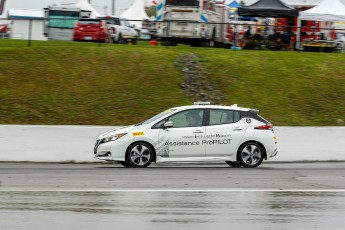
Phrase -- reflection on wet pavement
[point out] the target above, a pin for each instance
(170, 210)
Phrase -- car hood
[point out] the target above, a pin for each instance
(112, 132)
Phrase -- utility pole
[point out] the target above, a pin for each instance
(113, 7)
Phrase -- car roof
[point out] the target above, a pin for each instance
(232, 107)
(112, 17)
(90, 19)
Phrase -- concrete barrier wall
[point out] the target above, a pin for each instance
(75, 143)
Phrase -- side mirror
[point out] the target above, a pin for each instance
(168, 124)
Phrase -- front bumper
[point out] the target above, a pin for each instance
(129, 36)
(102, 151)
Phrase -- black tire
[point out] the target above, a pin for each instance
(250, 155)
(139, 155)
(218, 44)
(125, 164)
(195, 43)
(121, 40)
(164, 43)
(169, 42)
(234, 164)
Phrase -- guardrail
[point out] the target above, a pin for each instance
(75, 143)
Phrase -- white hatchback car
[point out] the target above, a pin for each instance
(200, 132)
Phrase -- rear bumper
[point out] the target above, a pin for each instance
(90, 37)
(275, 152)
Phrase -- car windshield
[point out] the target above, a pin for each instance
(126, 23)
(162, 114)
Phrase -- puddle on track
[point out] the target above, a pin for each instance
(172, 209)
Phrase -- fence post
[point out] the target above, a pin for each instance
(298, 35)
(30, 32)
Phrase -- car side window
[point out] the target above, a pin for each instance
(219, 116)
(159, 124)
(188, 118)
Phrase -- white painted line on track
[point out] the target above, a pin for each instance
(178, 190)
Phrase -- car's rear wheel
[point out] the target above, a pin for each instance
(250, 155)
(234, 164)
(139, 155)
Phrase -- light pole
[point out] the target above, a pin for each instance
(113, 6)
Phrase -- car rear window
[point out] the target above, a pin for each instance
(112, 21)
(88, 22)
(254, 115)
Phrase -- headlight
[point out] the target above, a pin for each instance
(113, 138)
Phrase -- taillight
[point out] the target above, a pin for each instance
(265, 127)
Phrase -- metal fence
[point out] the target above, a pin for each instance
(28, 30)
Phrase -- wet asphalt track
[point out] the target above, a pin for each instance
(268, 176)
(182, 196)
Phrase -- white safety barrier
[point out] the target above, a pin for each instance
(75, 143)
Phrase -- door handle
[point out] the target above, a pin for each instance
(238, 129)
(198, 131)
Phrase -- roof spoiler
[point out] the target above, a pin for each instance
(254, 111)
(202, 103)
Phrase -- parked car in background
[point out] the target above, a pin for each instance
(120, 31)
(91, 29)
(4, 31)
(145, 35)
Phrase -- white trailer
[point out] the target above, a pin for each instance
(60, 21)
(193, 22)
(26, 24)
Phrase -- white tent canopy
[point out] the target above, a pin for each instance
(136, 12)
(85, 5)
(327, 10)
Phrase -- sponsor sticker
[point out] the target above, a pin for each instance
(248, 120)
(138, 134)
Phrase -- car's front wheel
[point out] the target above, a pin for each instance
(121, 40)
(250, 155)
(139, 155)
